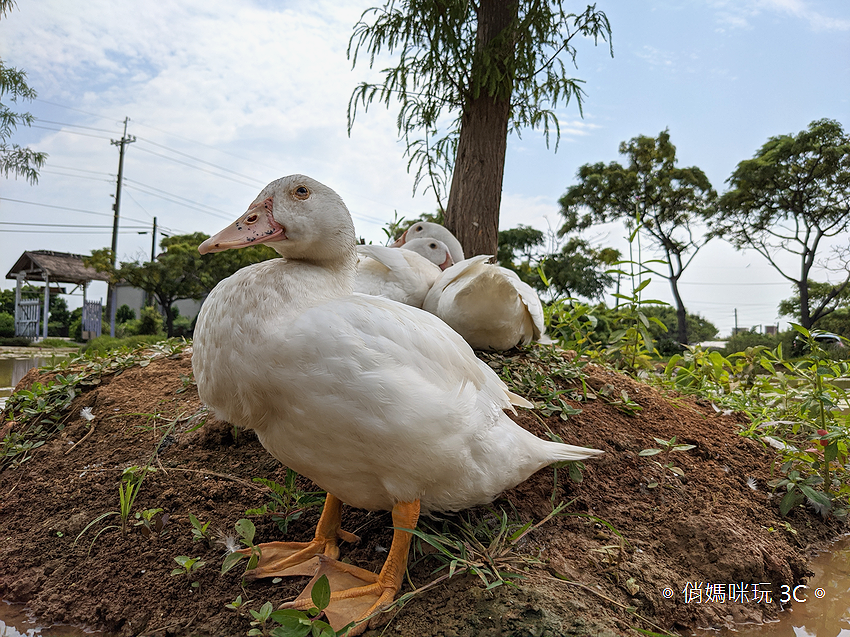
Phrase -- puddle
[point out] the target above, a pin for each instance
(13, 369)
(14, 622)
(827, 616)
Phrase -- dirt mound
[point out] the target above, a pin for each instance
(619, 557)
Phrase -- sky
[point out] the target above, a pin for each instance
(223, 97)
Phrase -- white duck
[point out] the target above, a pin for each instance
(430, 230)
(486, 304)
(403, 275)
(379, 403)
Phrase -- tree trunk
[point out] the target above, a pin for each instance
(805, 316)
(681, 314)
(472, 213)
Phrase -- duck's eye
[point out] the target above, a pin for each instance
(418, 228)
(433, 246)
(302, 192)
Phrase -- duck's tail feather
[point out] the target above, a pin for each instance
(561, 452)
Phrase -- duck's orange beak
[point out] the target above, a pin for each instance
(400, 241)
(255, 226)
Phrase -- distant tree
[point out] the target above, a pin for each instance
(15, 160)
(790, 197)
(669, 200)
(837, 305)
(470, 73)
(180, 271)
(699, 328)
(571, 269)
(125, 313)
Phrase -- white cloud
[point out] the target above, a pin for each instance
(737, 14)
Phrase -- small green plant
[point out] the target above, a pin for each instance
(238, 604)
(189, 566)
(152, 522)
(246, 531)
(200, 532)
(296, 623)
(667, 447)
(187, 381)
(621, 401)
(483, 544)
(799, 488)
(288, 502)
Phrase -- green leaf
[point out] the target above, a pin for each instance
(791, 499)
(230, 561)
(246, 529)
(321, 593)
(649, 452)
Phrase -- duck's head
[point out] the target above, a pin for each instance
(298, 217)
(430, 230)
(432, 249)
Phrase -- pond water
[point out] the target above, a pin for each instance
(14, 622)
(827, 616)
(13, 369)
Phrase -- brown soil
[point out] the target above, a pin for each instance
(707, 527)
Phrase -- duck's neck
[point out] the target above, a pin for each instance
(311, 282)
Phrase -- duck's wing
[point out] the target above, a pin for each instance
(530, 299)
(400, 275)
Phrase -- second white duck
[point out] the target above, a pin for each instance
(486, 304)
(403, 275)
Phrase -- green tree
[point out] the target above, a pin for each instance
(821, 294)
(699, 328)
(570, 269)
(179, 271)
(14, 159)
(125, 313)
(792, 196)
(667, 200)
(468, 74)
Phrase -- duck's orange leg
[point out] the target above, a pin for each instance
(280, 559)
(357, 593)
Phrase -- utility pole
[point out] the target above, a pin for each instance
(153, 242)
(149, 299)
(736, 322)
(112, 297)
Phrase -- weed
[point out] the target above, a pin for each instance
(482, 544)
(288, 502)
(152, 522)
(41, 411)
(200, 532)
(667, 447)
(246, 530)
(238, 604)
(189, 566)
(296, 623)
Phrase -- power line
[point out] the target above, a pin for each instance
(47, 121)
(70, 108)
(69, 231)
(70, 132)
(46, 205)
(65, 225)
(145, 150)
(54, 172)
(179, 203)
(233, 172)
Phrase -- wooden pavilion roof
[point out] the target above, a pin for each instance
(60, 267)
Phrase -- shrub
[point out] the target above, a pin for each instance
(743, 340)
(103, 344)
(150, 322)
(7, 325)
(125, 313)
